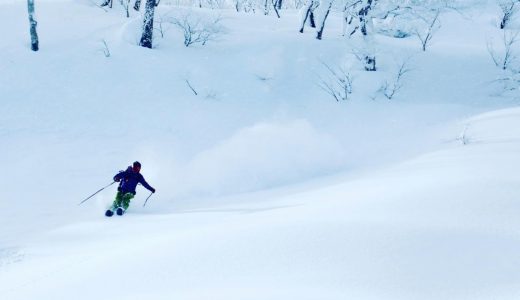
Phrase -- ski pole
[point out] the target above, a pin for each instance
(147, 199)
(96, 192)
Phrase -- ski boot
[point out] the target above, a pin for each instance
(120, 211)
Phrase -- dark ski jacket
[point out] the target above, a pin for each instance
(129, 180)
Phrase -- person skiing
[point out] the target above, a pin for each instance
(128, 181)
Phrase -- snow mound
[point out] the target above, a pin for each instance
(494, 127)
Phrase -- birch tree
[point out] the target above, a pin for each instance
(366, 28)
(308, 13)
(327, 5)
(147, 37)
(350, 15)
(509, 8)
(33, 23)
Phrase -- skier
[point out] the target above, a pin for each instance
(128, 180)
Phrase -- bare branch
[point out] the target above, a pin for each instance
(508, 56)
(339, 84)
(432, 27)
(196, 31)
(390, 89)
(191, 87)
(106, 50)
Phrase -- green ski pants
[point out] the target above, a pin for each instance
(122, 200)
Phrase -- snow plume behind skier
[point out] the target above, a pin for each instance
(128, 181)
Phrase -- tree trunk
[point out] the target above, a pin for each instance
(363, 16)
(307, 12)
(275, 8)
(322, 25)
(137, 5)
(508, 9)
(370, 63)
(311, 19)
(127, 7)
(279, 4)
(33, 23)
(308, 9)
(147, 37)
(367, 31)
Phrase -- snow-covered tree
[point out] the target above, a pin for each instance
(364, 23)
(147, 37)
(268, 4)
(350, 15)
(245, 5)
(107, 3)
(509, 8)
(327, 6)
(33, 23)
(137, 5)
(505, 59)
(308, 14)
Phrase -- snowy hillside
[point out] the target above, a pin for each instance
(267, 188)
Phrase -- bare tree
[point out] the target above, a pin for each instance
(390, 88)
(195, 30)
(267, 7)
(160, 24)
(508, 56)
(432, 26)
(308, 13)
(33, 23)
(338, 84)
(505, 60)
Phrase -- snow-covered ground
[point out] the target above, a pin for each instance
(267, 188)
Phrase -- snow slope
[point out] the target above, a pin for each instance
(442, 225)
(267, 188)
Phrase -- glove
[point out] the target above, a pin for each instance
(153, 190)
